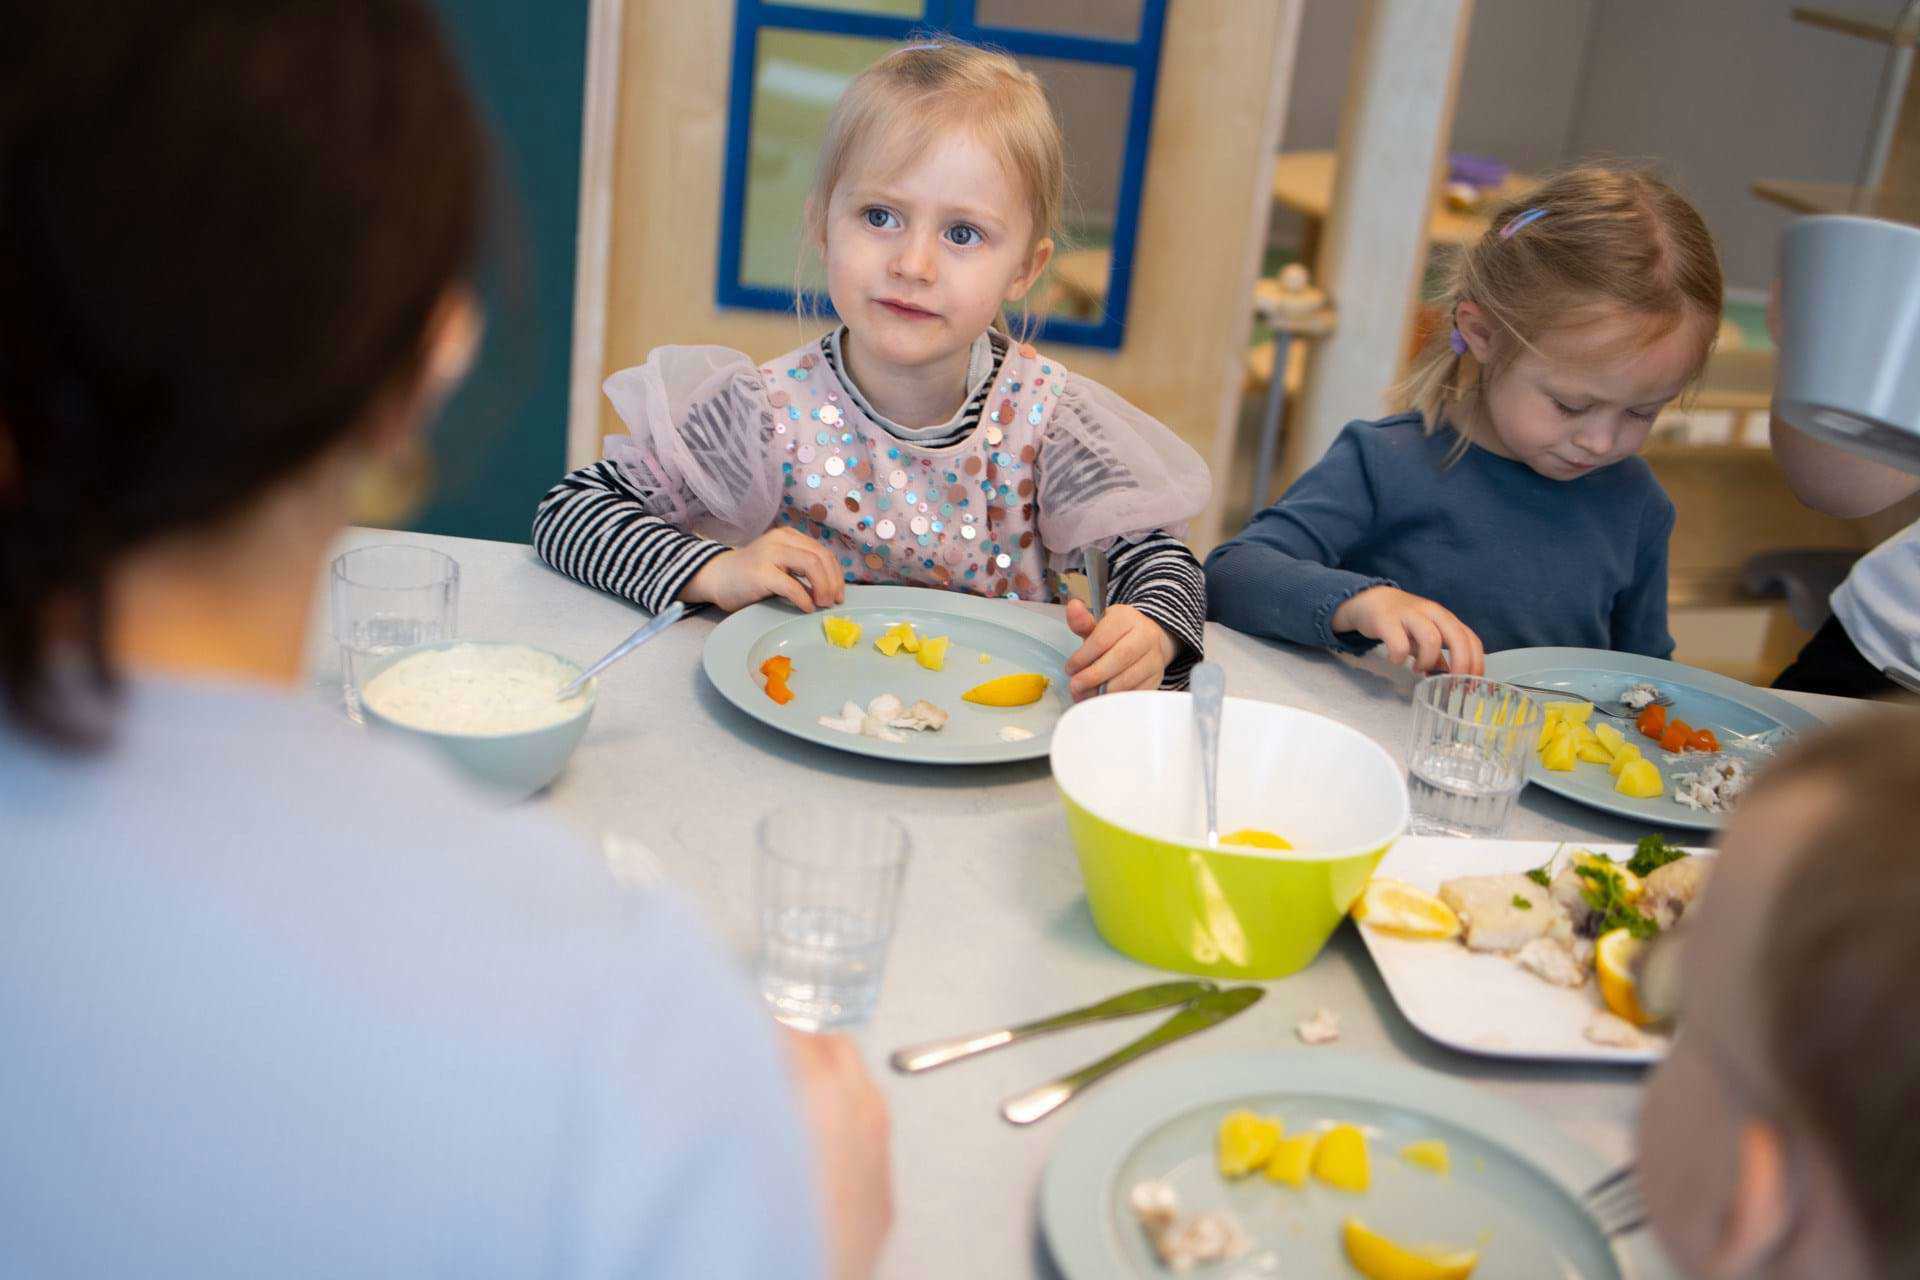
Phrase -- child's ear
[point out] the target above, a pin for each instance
(1036, 263)
(1762, 1211)
(1477, 327)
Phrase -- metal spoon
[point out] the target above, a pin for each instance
(658, 623)
(1209, 692)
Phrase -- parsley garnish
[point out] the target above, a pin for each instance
(1522, 903)
(1539, 876)
(1603, 893)
(1652, 853)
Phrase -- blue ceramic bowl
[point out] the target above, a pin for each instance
(510, 766)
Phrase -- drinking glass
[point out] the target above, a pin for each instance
(385, 599)
(1467, 758)
(826, 883)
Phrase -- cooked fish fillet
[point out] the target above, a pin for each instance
(1671, 890)
(1551, 962)
(1485, 905)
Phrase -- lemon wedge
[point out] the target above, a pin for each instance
(1020, 690)
(1400, 908)
(1631, 886)
(1430, 1155)
(1378, 1258)
(1616, 962)
(932, 653)
(1255, 838)
(842, 632)
(1340, 1159)
(1246, 1143)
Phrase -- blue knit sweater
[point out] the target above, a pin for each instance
(1521, 559)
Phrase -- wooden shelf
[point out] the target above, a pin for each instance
(1807, 197)
(1878, 27)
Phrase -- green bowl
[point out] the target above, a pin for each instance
(508, 766)
(1128, 769)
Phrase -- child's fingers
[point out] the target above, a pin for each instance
(1080, 619)
(1145, 673)
(1426, 641)
(1097, 642)
(777, 581)
(1461, 647)
(811, 561)
(1128, 649)
(1395, 639)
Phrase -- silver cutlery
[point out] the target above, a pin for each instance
(658, 623)
(1209, 684)
(1207, 1011)
(1600, 705)
(938, 1053)
(1615, 1202)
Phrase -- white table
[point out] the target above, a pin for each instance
(993, 924)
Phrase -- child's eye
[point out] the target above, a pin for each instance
(878, 218)
(1648, 416)
(963, 235)
(1566, 409)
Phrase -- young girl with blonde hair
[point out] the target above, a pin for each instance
(1505, 507)
(917, 442)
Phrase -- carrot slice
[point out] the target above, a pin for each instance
(778, 691)
(778, 667)
(1675, 738)
(1652, 721)
(1703, 740)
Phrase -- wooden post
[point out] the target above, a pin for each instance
(1394, 129)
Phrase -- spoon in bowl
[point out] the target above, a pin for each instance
(655, 625)
(1209, 682)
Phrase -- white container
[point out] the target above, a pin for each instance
(1849, 365)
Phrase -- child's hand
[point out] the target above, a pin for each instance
(780, 562)
(1411, 625)
(1124, 650)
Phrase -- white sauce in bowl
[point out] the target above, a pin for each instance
(475, 689)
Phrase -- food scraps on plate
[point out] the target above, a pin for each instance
(1335, 1155)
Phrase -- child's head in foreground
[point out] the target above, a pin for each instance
(1584, 309)
(1779, 1138)
(937, 198)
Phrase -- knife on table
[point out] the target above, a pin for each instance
(938, 1053)
(1206, 1011)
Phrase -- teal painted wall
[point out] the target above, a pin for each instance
(502, 440)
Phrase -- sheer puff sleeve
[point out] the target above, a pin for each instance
(698, 425)
(1109, 472)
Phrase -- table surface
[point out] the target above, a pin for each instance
(1303, 182)
(993, 925)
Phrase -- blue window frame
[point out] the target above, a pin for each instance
(1140, 55)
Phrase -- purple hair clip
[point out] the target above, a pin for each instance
(1458, 341)
(1530, 216)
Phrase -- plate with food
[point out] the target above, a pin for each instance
(1320, 1163)
(1647, 739)
(901, 673)
(1527, 948)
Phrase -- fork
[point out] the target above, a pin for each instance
(1569, 695)
(1615, 1202)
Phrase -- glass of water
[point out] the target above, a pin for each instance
(826, 883)
(385, 599)
(1467, 759)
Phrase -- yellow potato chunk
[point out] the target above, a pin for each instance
(1292, 1159)
(1246, 1142)
(1593, 753)
(1638, 779)
(1430, 1155)
(1340, 1159)
(1610, 738)
(841, 632)
(1571, 712)
(1559, 754)
(1625, 756)
(932, 653)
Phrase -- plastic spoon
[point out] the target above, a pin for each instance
(1209, 692)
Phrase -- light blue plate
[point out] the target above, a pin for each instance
(1513, 1191)
(824, 676)
(1701, 698)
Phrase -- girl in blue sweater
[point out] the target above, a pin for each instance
(1506, 506)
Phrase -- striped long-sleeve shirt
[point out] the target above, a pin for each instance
(596, 528)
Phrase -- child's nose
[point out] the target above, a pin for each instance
(1597, 437)
(915, 259)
